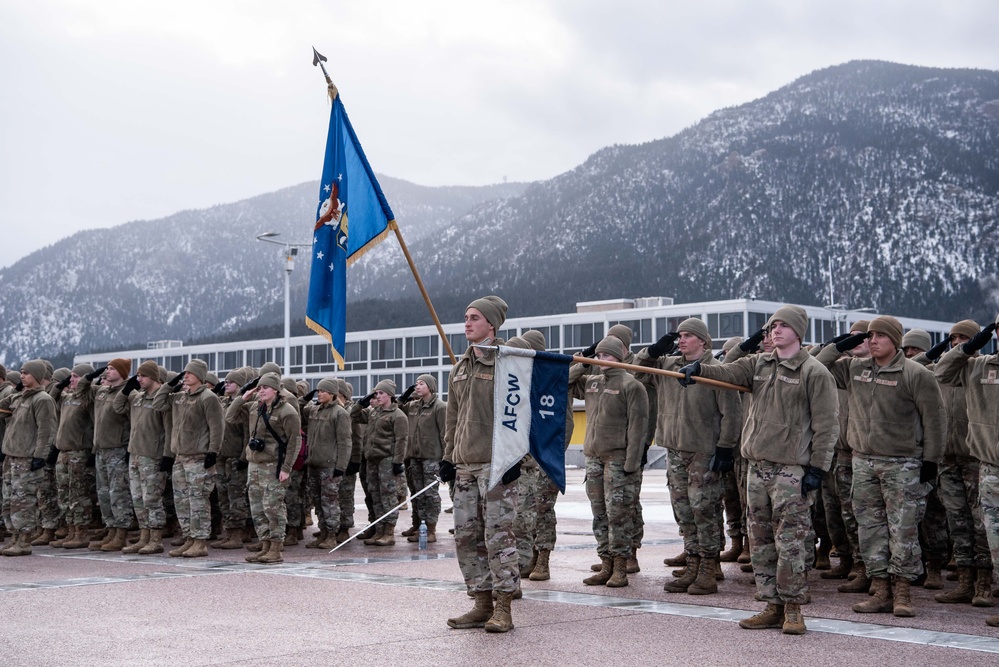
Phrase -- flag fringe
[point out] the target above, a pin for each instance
(321, 330)
(371, 244)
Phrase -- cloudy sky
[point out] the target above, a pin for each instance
(122, 110)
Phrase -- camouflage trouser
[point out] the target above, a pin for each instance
(267, 506)
(5, 496)
(74, 480)
(401, 487)
(934, 535)
(381, 486)
(23, 494)
(148, 485)
(192, 485)
(833, 508)
(637, 520)
(230, 482)
(843, 472)
(295, 489)
(889, 501)
(113, 490)
(483, 530)
(325, 490)
(348, 485)
(780, 523)
(49, 513)
(368, 502)
(957, 488)
(696, 494)
(612, 493)
(734, 514)
(988, 492)
(427, 506)
(535, 523)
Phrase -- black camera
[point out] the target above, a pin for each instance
(256, 444)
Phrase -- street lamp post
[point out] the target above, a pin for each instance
(289, 253)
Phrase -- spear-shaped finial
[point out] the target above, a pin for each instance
(319, 59)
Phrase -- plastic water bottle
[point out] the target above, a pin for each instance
(423, 535)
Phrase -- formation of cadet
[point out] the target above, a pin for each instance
(878, 445)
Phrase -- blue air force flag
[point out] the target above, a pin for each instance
(531, 396)
(348, 188)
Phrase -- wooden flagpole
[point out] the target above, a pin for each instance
(658, 371)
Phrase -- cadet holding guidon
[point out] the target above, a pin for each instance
(788, 441)
(31, 429)
(196, 437)
(75, 441)
(979, 374)
(427, 417)
(275, 438)
(386, 438)
(146, 443)
(329, 456)
(897, 433)
(617, 413)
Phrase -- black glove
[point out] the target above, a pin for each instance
(219, 388)
(64, 383)
(176, 380)
(211, 458)
(131, 385)
(447, 471)
(663, 346)
(511, 475)
(752, 344)
(337, 473)
(252, 384)
(53, 455)
(308, 397)
(406, 394)
(839, 338)
(398, 469)
(722, 460)
(37, 463)
(928, 472)
(166, 464)
(645, 455)
(851, 341)
(96, 374)
(353, 468)
(689, 371)
(937, 350)
(366, 401)
(589, 352)
(19, 387)
(811, 480)
(2, 457)
(91, 460)
(241, 464)
(980, 340)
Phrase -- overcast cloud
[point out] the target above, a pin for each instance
(122, 110)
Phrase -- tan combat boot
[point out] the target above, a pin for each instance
(321, 537)
(841, 571)
(234, 540)
(77, 538)
(342, 536)
(880, 601)
(143, 541)
(745, 558)
(412, 530)
(859, 584)
(681, 584)
(992, 621)
(541, 571)
(329, 543)
(631, 566)
(531, 564)
(379, 530)
(676, 561)
(733, 553)
(47, 535)
(155, 543)
(965, 591)
(265, 546)
(822, 555)
(387, 538)
(198, 549)
(705, 582)
(619, 575)
(19, 546)
(604, 575)
(117, 542)
(477, 617)
(368, 534)
(501, 620)
(794, 621)
(431, 533)
(902, 598)
(179, 551)
(273, 554)
(933, 581)
(771, 617)
(108, 535)
(291, 537)
(983, 588)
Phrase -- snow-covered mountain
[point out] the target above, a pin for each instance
(890, 173)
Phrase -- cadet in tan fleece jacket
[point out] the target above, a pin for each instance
(897, 431)
(788, 441)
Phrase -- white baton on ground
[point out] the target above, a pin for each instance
(420, 492)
